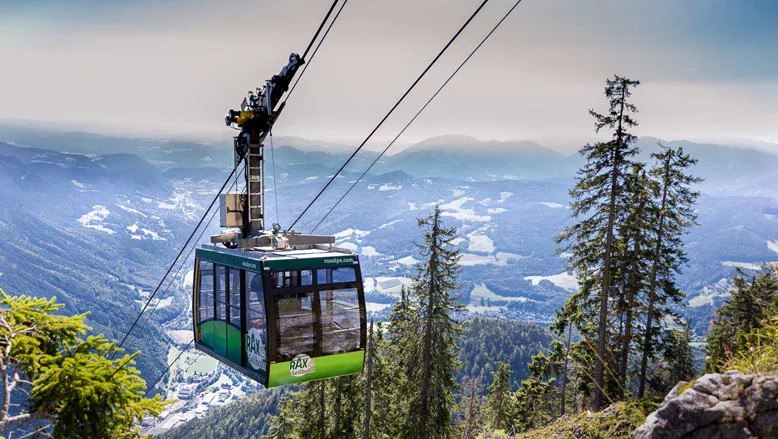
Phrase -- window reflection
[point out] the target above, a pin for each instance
(340, 320)
(206, 291)
(295, 325)
(335, 275)
(290, 279)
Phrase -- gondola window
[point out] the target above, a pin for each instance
(295, 325)
(340, 320)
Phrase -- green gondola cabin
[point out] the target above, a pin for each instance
(280, 317)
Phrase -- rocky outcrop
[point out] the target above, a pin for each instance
(717, 406)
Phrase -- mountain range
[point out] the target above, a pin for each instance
(96, 220)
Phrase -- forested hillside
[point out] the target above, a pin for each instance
(248, 418)
(488, 342)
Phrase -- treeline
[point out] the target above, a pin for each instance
(744, 332)
(743, 336)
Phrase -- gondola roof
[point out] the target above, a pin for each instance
(278, 259)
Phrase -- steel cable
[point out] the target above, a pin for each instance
(389, 113)
(429, 101)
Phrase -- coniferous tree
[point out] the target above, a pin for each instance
(674, 216)
(499, 399)
(72, 382)
(751, 302)
(370, 358)
(677, 362)
(345, 399)
(385, 386)
(302, 413)
(633, 266)
(434, 364)
(598, 197)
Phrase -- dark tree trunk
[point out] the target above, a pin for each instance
(652, 283)
(368, 384)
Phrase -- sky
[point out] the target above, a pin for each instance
(708, 68)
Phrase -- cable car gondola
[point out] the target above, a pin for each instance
(280, 317)
(279, 306)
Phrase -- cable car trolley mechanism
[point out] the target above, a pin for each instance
(279, 306)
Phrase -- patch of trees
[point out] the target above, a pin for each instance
(487, 342)
(68, 382)
(744, 331)
(618, 331)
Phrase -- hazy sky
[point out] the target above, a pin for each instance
(709, 68)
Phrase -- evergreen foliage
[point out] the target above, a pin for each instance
(741, 317)
(499, 400)
(677, 362)
(433, 344)
(488, 342)
(71, 381)
(598, 196)
(626, 251)
(470, 410)
(674, 217)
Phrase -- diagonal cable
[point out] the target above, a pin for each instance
(424, 107)
(389, 113)
(178, 256)
(316, 50)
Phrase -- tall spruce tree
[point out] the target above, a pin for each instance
(345, 401)
(302, 413)
(674, 216)
(634, 242)
(499, 399)
(598, 197)
(434, 364)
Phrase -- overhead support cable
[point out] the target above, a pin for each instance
(162, 375)
(178, 256)
(191, 250)
(424, 107)
(315, 51)
(316, 35)
(389, 113)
